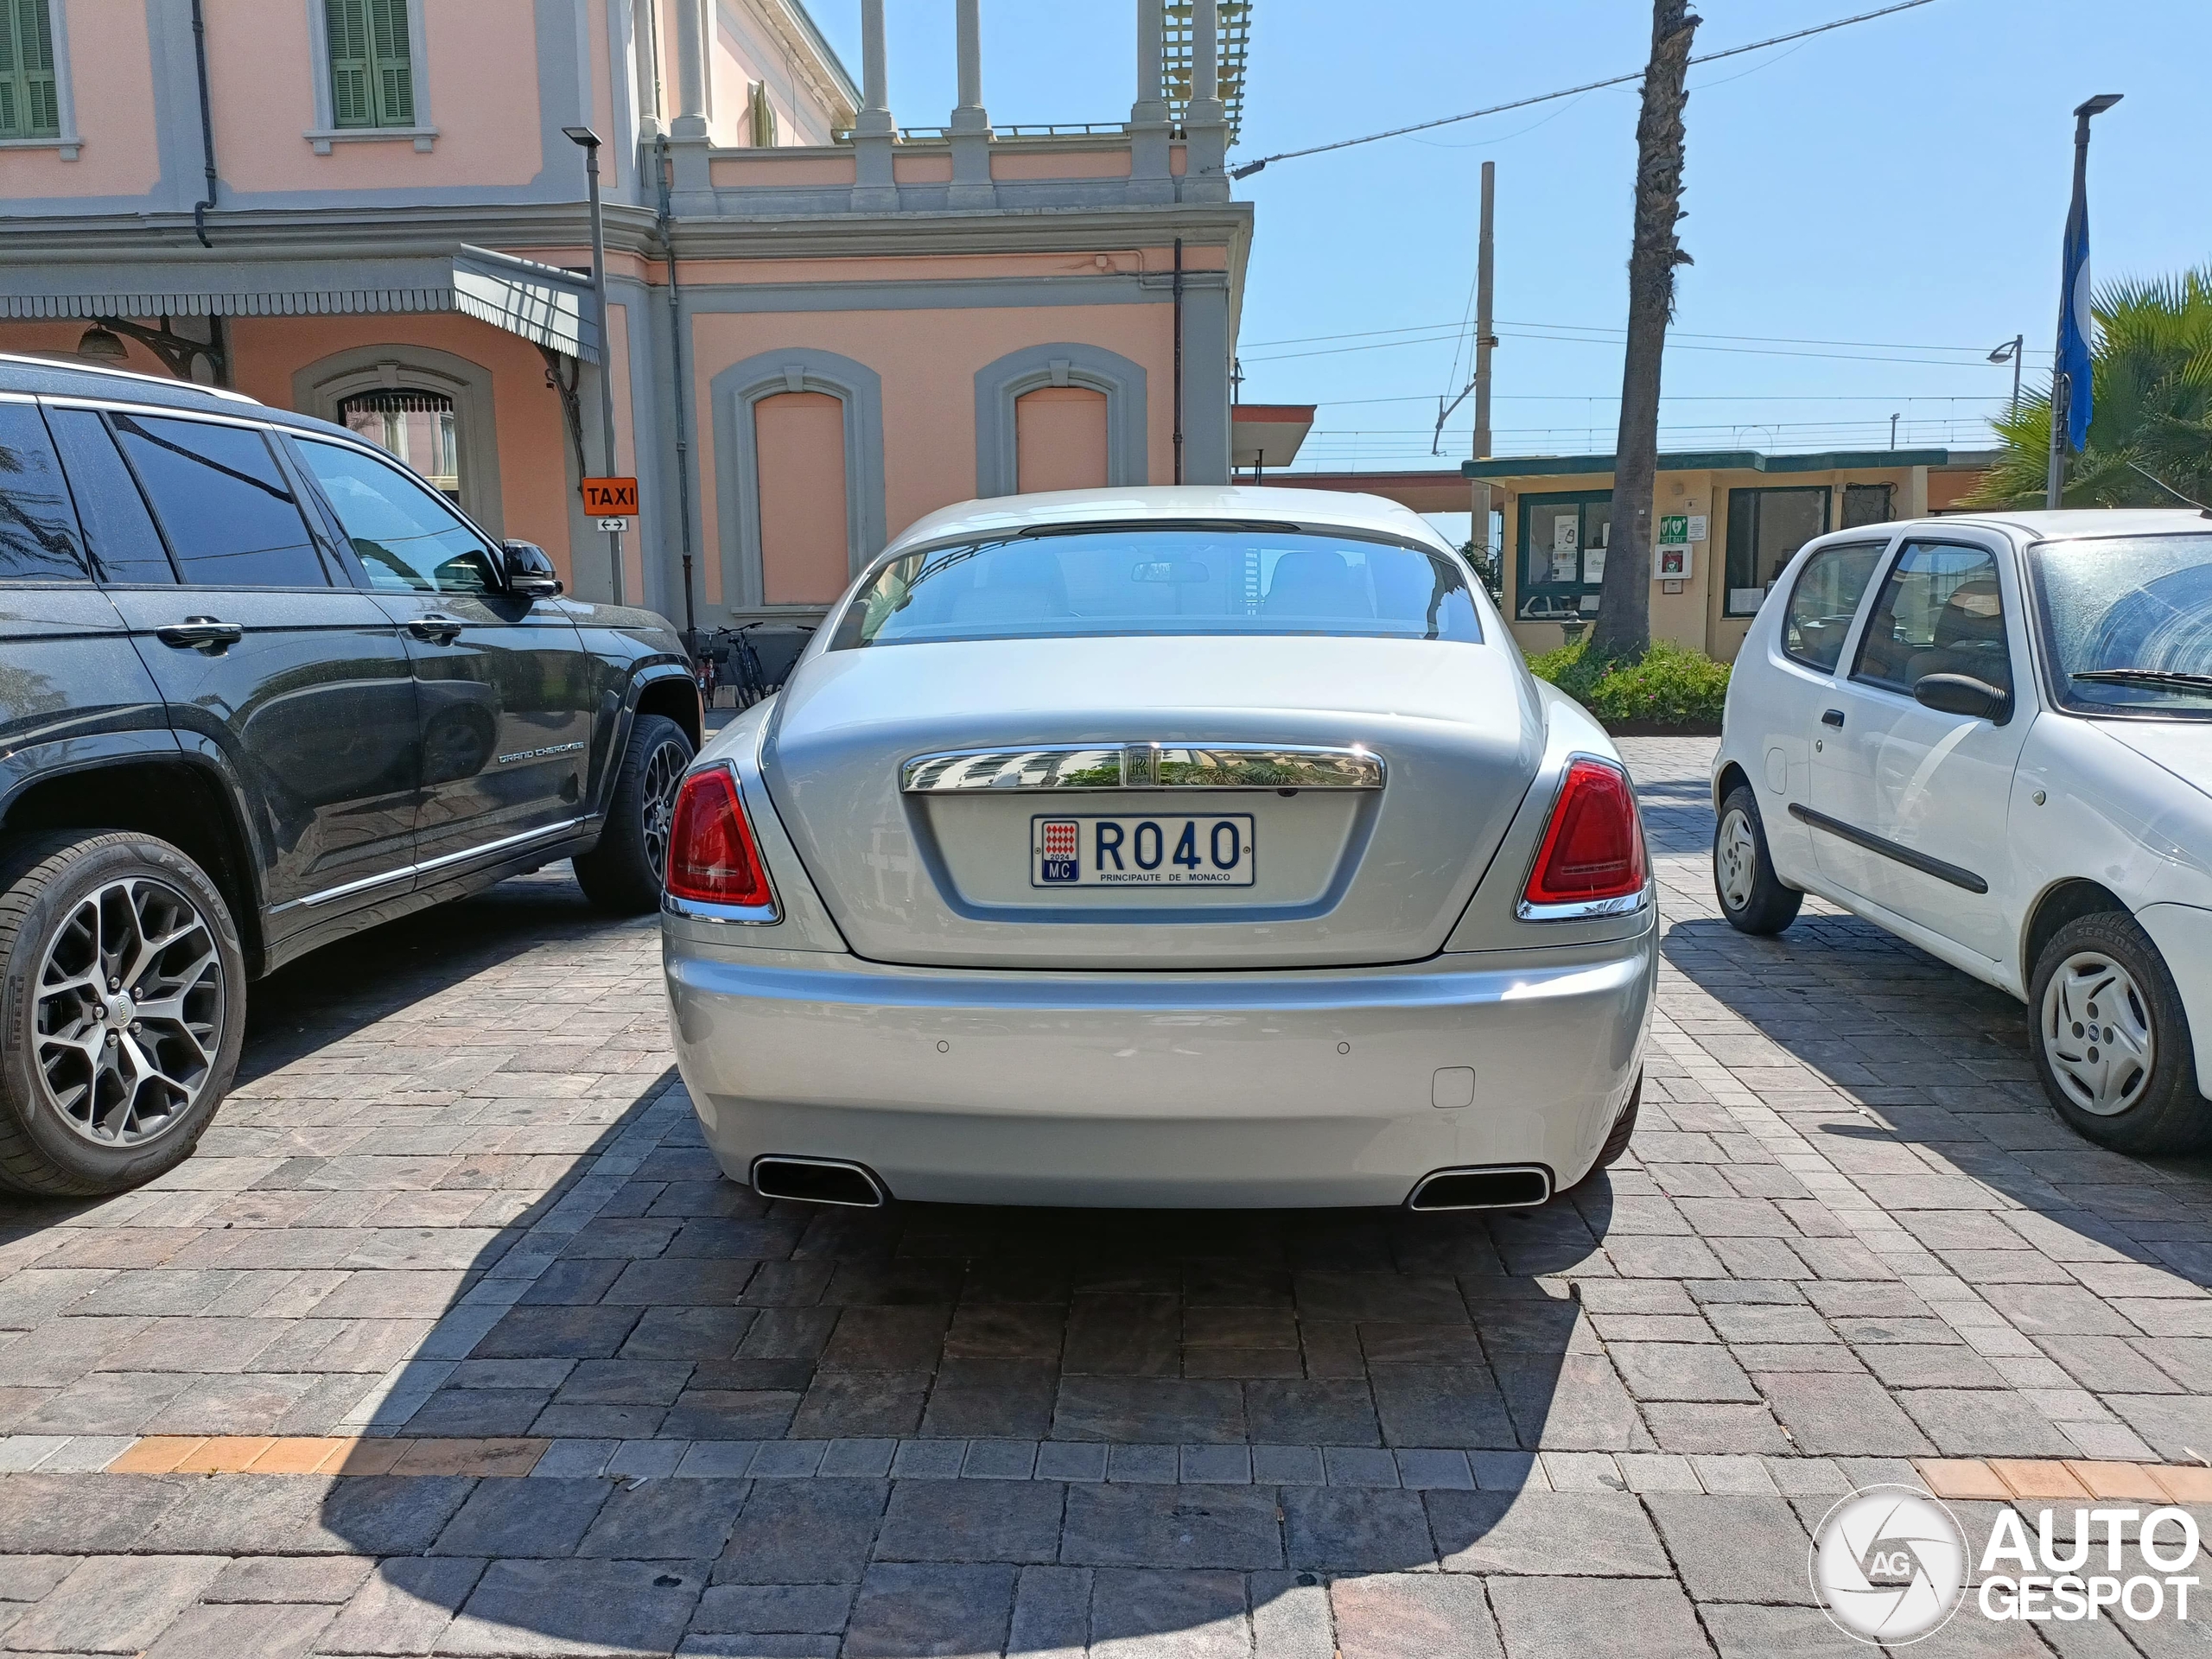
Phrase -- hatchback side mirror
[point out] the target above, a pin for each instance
(1962, 693)
(530, 573)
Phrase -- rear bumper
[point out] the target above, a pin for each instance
(1231, 1090)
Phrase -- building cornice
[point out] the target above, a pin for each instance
(812, 56)
(383, 232)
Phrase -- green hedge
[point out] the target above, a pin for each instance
(1671, 686)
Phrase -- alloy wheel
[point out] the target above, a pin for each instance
(2096, 1032)
(1736, 858)
(664, 769)
(131, 1007)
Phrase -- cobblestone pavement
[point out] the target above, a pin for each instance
(456, 1224)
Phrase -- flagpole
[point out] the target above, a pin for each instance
(2070, 361)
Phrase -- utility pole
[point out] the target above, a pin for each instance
(1624, 627)
(1485, 264)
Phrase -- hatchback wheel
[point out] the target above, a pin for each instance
(624, 872)
(2111, 1040)
(1752, 896)
(126, 998)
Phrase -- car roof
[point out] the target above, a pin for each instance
(1169, 503)
(2044, 526)
(48, 377)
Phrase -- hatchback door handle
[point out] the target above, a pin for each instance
(442, 629)
(201, 633)
(1832, 717)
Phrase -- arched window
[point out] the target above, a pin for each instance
(798, 475)
(1060, 439)
(421, 428)
(799, 461)
(1065, 415)
(431, 409)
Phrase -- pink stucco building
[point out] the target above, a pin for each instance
(820, 325)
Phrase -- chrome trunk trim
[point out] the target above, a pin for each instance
(1143, 765)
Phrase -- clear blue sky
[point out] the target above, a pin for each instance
(1902, 182)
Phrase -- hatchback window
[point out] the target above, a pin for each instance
(126, 548)
(408, 539)
(38, 527)
(227, 509)
(1941, 612)
(1824, 600)
(1210, 579)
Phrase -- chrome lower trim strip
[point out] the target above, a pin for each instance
(698, 910)
(1583, 910)
(1143, 765)
(505, 844)
(407, 872)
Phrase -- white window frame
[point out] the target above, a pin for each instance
(65, 140)
(326, 131)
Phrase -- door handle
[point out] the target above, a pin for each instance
(205, 633)
(1832, 717)
(442, 629)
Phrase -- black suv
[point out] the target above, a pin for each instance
(261, 687)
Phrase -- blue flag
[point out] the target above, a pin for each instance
(2074, 319)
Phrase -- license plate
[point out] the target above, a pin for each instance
(1164, 850)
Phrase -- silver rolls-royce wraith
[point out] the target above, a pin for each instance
(1182, 846)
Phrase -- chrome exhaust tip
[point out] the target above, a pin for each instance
(817, 1181)
(1497, 1187)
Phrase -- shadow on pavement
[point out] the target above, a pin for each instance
(675, 1335)
(1940, 1063)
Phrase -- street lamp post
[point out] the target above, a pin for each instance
(587, 140)
(2012, 351)
(2073, 301)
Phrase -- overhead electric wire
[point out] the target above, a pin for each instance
(1250, 168)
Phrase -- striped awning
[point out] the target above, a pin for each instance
(543, 303)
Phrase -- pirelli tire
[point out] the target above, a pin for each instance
(624, 873)
(123, 999)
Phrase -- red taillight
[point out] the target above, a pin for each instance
(711, 855)
(1594, 849)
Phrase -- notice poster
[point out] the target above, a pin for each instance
(1697, 528)
(1594, 565)
(1565, 534)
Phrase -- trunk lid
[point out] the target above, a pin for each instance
(1337, 875)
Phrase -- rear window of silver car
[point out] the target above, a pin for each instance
(1197, 581)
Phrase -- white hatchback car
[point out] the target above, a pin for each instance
(1993, 736)
(1162, 847)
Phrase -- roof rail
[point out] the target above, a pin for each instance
(59, 360)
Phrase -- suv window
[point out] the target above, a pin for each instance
(223, 503)
(1941, 612)
(38, 527)
(1824, 600)
(407, 538)
(126, 549)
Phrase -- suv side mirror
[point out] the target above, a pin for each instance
(1962, 693)
(528, 572)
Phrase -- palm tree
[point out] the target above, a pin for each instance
(2151, 426)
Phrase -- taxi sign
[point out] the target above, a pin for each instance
(611, 497)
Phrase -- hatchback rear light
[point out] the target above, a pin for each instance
(1593, 846)
(712, 857)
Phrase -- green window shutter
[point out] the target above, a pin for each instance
(30, 105)
(12, 101)
(347, 24)
(395, 64)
